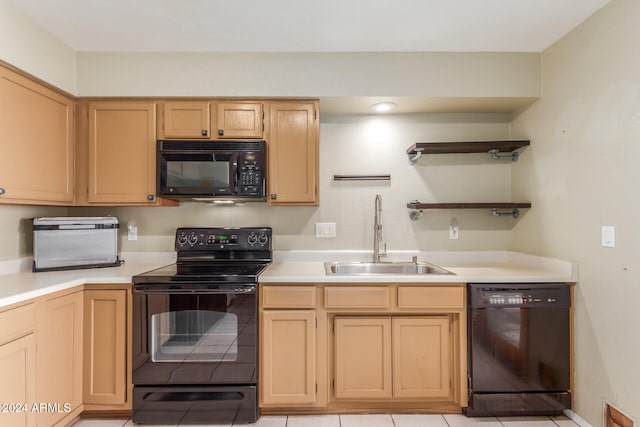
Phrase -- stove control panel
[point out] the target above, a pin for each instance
(223, 238)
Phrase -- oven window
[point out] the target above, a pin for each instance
(197, 173)
(194, 336)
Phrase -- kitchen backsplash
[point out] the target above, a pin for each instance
(348, 145)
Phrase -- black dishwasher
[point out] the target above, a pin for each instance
(519, 349)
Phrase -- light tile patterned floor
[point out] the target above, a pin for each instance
(395, 420)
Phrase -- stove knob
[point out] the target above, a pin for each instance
(193, 238)
(252, 239)
(263, 239)
(182, 239)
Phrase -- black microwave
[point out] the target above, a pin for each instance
(210, 170)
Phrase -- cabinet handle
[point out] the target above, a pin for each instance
(2, 191)
(220, 132)
(274, 196)
(204, 132)
(150, 197)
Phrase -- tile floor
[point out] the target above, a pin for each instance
(395, 420)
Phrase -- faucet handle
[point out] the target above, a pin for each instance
(414, 259)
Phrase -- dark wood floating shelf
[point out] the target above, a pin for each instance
(418, 205)
(466, 147)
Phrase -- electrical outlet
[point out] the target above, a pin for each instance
(454, 231)
(132, 232)
(325, 229)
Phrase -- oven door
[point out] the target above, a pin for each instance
(196, 335)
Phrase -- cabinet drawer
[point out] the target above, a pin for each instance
(289, 297)
(430, 297)
(17, 321)
(357, 297)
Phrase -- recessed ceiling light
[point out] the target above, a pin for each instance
(382, 107)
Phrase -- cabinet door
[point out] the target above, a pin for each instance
(59, 358)
(288, 368)
(363, 358)
(186, 119)
(421, 357)
(105, 339)
(122, 154)
(239, 120)
(293, 154)
(37, 143)
(17, 370)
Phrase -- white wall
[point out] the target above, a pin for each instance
(16, 233)
(581, 173)
(33, 50)
(366, 145)
(432, 74)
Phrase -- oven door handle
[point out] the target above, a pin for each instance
(155, 289)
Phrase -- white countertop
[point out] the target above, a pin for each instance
(300, 272)
(24, 285)
(18, 284)
(467, 267)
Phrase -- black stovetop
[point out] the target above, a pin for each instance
(203, 273)
(215, 255)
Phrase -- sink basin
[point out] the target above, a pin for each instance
(382, 268)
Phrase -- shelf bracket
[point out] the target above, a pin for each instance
(413, 158)
(495, 155)
(415, 215)
(514, 213)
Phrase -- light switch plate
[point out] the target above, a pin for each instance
(609, 236)
(325, 229)
(454, 231)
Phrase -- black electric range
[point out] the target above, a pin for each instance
(195, 329)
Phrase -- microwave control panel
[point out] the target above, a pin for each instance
(251, 180)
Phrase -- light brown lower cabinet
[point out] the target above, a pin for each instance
(421, 357)
(363, 358)
(59, 357)
(288, 346)
(65, 353)
(351, 347)
(392, 357)
(105, 347)
(17, 370)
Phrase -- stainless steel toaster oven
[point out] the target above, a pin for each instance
(66, 243)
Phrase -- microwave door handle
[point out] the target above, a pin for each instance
(233, 173)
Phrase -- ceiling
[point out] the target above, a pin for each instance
(319, 26)
(309, 26)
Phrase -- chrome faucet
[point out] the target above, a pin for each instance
(377, 231)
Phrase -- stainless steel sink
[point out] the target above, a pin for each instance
(382, 268)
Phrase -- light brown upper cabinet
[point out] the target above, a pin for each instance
(293, 153)
(37, 144)
(209, 119)
(182, 119)
(121, 153)
(238, 120)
